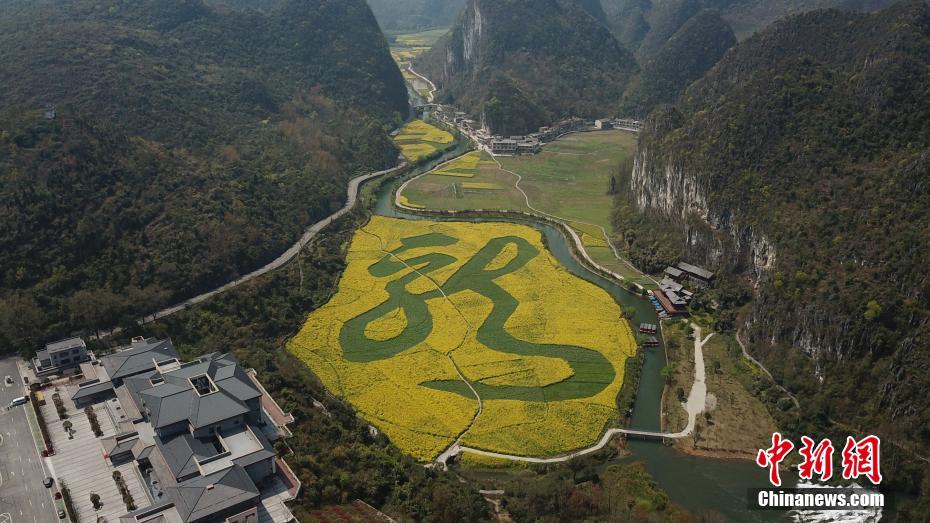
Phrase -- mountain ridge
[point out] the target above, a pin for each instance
(187, 144)
(798, 165)
(521, 64)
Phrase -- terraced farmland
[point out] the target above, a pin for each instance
(429, 314)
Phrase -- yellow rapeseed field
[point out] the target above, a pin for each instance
(419, 139)
(465, 166)
(407, 203)
(480, 186)
(415, 394)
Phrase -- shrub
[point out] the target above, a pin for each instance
(43, 428)
(66, 499)
(94, 422)
(124, 491)
(60, 406)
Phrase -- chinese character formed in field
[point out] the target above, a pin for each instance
(817, 460)
(861, 458)
(774, 455)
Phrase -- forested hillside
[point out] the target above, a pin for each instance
(189, 143)
(520, 64)
(415, 15)
(800, 165)
(647, 23)
(682, 59)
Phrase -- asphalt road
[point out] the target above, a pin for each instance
(23, 497)
(352, 193)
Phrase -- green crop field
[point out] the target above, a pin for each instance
(458, 185)
(570, 178)
(421, 39)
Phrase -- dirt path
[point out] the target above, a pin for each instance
(765, 370)
(578, 242)
(697, 399)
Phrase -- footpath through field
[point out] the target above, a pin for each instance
(697, 399)
(577, 239)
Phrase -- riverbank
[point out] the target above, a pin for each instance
(735, 423)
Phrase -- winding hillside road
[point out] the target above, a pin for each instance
(352, 198)
(432, 93)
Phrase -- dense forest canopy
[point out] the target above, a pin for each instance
(647, 23)
(522, 64)
(682, 59)
(186, 143)
(802, 163)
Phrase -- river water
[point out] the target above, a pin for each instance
(698, 484)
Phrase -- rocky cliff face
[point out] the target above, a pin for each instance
(463, 53)
(799, 164)
(662, 185)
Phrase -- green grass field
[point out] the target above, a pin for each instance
(455, 186)
(421, 39)
(570, 178)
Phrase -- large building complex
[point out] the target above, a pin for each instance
(197, 433)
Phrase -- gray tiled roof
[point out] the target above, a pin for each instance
(138, 358)
(89, 389)
(695, 270)
(207, 495)
(179, 455)
(176, 400)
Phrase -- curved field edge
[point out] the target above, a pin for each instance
(394, 393)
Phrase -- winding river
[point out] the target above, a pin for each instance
(698, 484)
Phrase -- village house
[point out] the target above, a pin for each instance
(61, 356)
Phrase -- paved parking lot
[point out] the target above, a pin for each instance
(81, 465)
(23, 497)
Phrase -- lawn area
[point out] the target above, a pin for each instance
(419, 139)
(421, 302)
(472, 181)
